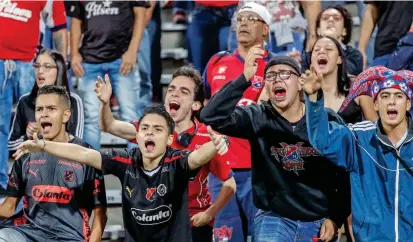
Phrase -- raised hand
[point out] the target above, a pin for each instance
(31, 129)
(251, 61)
(29, 146)
(311, 81)
(103, 89)
(220, 141)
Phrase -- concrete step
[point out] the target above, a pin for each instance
(173, 27)
(178, 53)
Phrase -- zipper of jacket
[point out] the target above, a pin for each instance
(396, 196)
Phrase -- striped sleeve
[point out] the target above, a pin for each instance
(55, 15)
(18, 129)
(77, 125)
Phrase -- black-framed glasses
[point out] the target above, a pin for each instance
(283, 75)
(250, 19)
(46, 67)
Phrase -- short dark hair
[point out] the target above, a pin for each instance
(195, 75)
(58, 90)
(161, 111)
(348, 21)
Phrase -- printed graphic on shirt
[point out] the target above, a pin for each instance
(290, 156)
(8, 9)
(154, 216)
(94, 8)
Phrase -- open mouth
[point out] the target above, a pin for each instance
(392, 114)
(279, 92)
(322, 62)
(174, 107)
(149, 145)
(40, 78)
(46, 126)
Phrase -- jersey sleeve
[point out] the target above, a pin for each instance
(179, 158)
(136, 124)
(15, 185)
(116, 162)
(220, 168)
(55, 15)
(75, 9)
(207, 75)
(95, 186)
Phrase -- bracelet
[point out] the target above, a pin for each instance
(43, 146)
(226, 140)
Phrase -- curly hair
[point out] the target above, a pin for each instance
(348, 21)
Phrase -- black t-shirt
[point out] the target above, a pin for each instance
(58, 196)
(394, 20)
(154, 203)
(107, 27)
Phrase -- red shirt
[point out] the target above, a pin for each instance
(22, 24)
(199, 198)
(209, 3)
(221, 69)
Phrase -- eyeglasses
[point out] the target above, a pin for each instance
(46, 67)
(250, 19)
(283, 75)
(336, 17)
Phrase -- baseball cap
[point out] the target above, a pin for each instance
(258, 9)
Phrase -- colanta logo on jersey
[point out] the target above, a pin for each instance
(10, 10)
(159, 215)
(51, 194)
(100, 9)
(290, 156)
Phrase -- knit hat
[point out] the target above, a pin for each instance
(283, 60)
(374, 79)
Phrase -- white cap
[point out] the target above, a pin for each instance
(258, 9)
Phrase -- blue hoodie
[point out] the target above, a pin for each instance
(380, 174)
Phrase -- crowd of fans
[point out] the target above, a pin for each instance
(291, 101)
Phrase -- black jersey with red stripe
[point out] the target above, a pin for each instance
(59, 196)
(154, 203)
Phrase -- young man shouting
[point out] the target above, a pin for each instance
(293, 186)
(58, 194)
(378, 156)
(154, 177)
(183, 100)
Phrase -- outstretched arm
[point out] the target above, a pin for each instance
(65, 150)
(201, 156)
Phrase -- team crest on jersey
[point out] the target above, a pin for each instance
(161, 190)
(222, 69)
(150, 194)
(69, 176)
(291, 156)
(257, 81)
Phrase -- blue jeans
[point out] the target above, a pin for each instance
(208, 33)
(269, 227)
(381, 60)
(144, 64)
(16, 79)
(126, 89)
(235, 221)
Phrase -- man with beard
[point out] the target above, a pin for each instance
(183, 100)
(58, 194)
(293, 186)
